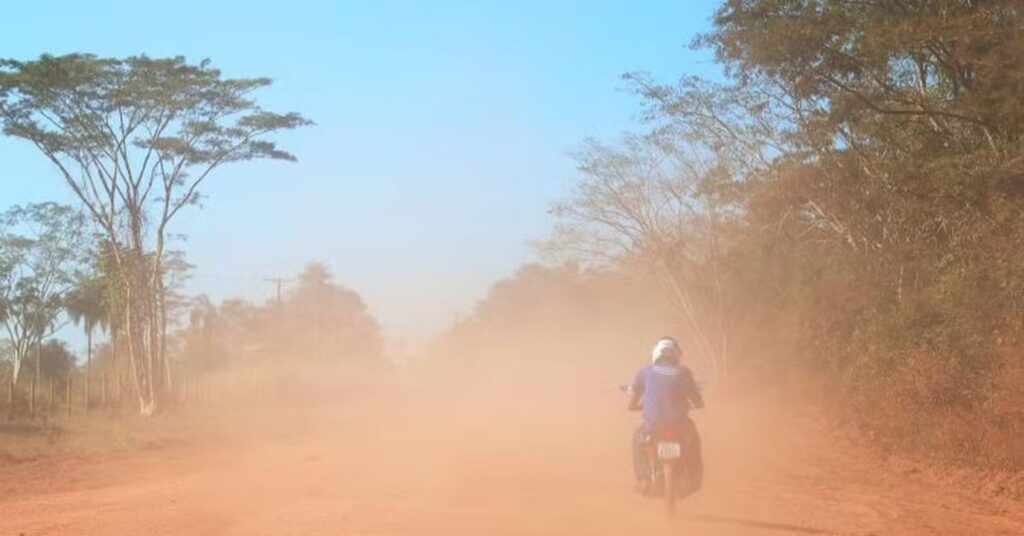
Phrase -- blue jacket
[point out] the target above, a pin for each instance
(665, 391)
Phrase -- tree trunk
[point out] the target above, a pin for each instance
(10, 399)
(156, 377)
(137, 333)
(36, 380)
(168, 379)
(134, 357)
(120, 370)
(16, 371)
(88, 368)
(138, 318)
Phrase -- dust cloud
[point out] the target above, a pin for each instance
(509, 423)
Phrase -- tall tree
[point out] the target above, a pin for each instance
(135, 139)
(655, 204)
(327, 321)
(40, 259)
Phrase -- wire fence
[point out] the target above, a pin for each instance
(102, 394)
(105, 393)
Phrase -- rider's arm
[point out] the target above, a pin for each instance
(636, 393)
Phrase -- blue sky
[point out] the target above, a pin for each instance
(443, 130)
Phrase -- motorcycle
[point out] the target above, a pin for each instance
(666, 451)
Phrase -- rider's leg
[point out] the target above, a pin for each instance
(641, 464)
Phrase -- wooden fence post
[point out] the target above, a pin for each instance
(70, 381)
(103, 399)
(53, 395)
(32, 399)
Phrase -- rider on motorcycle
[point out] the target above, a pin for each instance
(665, 391)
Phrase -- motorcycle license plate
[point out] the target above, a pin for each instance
(669, 450)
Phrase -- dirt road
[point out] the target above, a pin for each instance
(405, 466)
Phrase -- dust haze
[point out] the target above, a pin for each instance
(822, 202)
(512, 426)
(509, 423)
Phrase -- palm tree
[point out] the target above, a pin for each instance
(87, 305)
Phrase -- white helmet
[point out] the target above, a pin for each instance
(665, 347)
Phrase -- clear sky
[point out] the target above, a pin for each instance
(443, 129)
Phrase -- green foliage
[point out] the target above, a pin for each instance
(97, 111)
(135, 139)
(57, 361)
(41, 258)
(899, 200)
(87, 303)
(863, 161)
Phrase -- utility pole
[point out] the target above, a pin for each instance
(279, 282)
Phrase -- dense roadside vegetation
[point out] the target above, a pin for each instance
(846, 205)
(849, 201)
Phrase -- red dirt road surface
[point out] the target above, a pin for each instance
(405, 466)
